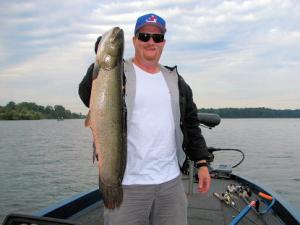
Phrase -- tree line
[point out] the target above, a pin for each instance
(253, 112)
(32, 111)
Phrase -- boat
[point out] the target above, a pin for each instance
(232, 199)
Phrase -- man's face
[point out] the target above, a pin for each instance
(148, 51)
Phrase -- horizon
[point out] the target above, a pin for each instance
(233, 54)
(257, 107)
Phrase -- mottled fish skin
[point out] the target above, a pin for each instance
(105, 117)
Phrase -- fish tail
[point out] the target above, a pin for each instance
(112, 195)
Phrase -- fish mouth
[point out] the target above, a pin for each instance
(116, 41)
(117, 34)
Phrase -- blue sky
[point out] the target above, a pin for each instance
(232, 53)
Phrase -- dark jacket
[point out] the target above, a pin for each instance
(85, 86)
(194, 144)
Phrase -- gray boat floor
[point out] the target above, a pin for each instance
(203, 209)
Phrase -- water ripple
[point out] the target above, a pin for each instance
(43, 162)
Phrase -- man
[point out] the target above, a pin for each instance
(162, 126)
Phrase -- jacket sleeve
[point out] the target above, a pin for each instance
(196, 148)
(85, 86)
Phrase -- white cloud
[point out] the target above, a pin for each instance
(221, 47)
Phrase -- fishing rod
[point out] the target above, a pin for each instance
(254, 204)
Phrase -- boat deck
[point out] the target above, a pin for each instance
(203, 209)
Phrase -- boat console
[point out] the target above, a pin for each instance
(20, 219)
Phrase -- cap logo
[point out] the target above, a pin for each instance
(152, 19)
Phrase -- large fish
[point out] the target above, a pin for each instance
(106, 117)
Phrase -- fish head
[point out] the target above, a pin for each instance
(110, 49)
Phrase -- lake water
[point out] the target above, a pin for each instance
(43, 162)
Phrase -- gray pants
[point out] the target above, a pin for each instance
(162, 204)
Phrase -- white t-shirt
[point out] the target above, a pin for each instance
(151, 146)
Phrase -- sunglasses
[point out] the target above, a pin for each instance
(145, 37)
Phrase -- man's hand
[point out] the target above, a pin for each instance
(204, 179)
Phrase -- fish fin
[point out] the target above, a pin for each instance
(95, 155)
(96, 70)
(112, 195)
(87, 122)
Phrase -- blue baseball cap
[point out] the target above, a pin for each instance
(150, 19)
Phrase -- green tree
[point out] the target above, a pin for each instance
(59, 111)
(11, 105)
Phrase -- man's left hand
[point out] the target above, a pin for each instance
(204, 179)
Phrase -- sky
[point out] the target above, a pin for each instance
(232, 53)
